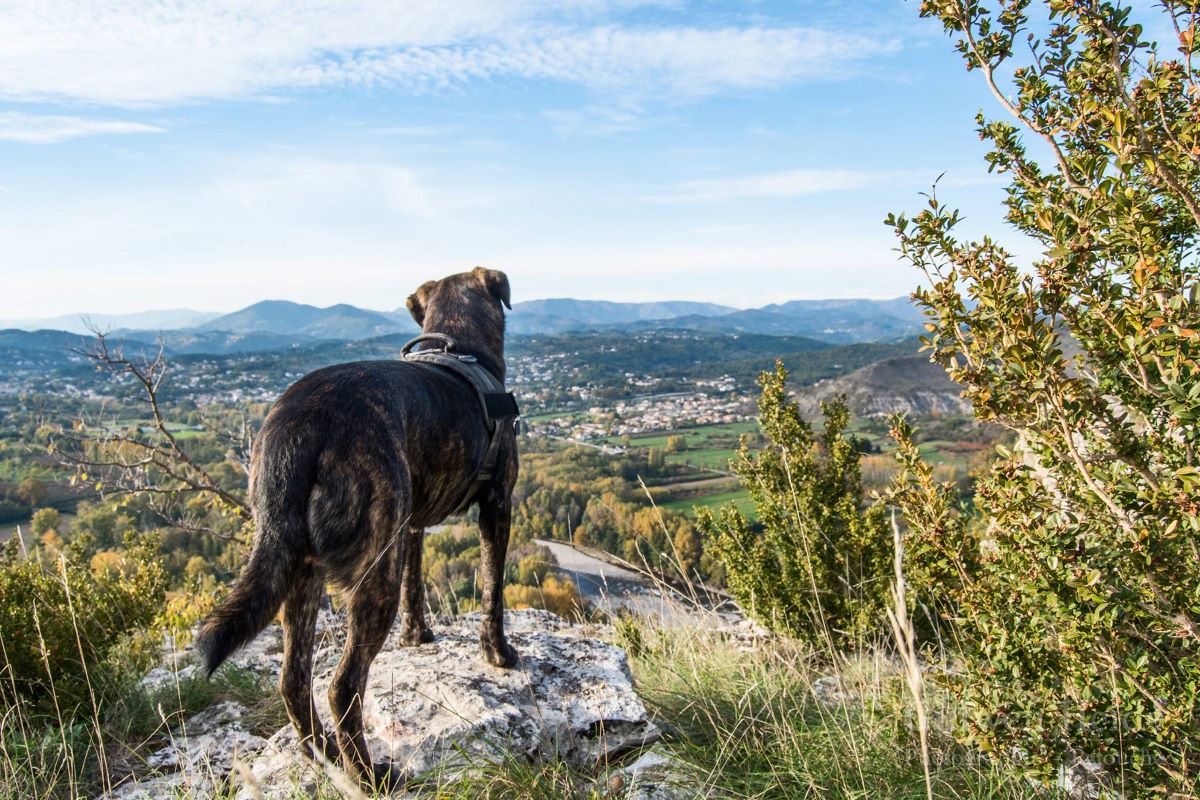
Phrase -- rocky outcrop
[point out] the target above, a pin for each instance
(432, 709)
(911, 384)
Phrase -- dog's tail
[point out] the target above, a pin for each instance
(281, 502)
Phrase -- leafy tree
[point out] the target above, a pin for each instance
(816, 564)
(45, 520)
(677, 443)
(1074, 592)
(31, 492)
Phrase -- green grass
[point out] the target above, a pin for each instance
(746, 722)
(739, 497)
(39, 759)
(709, 448)
(704, 459)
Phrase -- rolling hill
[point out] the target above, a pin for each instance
(340, 321)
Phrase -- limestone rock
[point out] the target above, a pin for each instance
(199, 756)
(440, 705)
(436, 707)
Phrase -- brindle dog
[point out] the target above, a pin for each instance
(352, 464)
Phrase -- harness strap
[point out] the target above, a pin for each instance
(497, 403)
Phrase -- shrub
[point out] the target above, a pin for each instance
(559, 595)
(1074, 593)
(816, 564)
(64, 628)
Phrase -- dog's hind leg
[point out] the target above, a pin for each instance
(495, 518)
(372, 604)
(295, 682)
(414, 625)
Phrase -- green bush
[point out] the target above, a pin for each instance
(1072, 592)
(816, 563)
(68, 633)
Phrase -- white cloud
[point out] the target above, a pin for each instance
(139, 52)
(16, 126)
(786, 183)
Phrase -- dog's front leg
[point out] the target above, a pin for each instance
(414, 625)
(495, 517)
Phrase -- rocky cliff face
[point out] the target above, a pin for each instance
(910, 384)
(432, 709)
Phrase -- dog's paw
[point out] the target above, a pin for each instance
(504, 655)
(386, 777)
(411, 637)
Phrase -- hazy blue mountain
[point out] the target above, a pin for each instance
(837, 321)
(218, 342)
(40, 340)
(559, 314)
(160, 320)
(49, 348)
(341, 321)
(281, 324)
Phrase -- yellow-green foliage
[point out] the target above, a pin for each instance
(1074, 593)
(579, 494)
(451, 561)
(816, 563)
(559, 595)
(64, 625)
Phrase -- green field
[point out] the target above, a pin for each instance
(740, 498)
(704, 459)
(698, 438)
(709, 449)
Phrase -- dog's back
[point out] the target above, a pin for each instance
(331, 463)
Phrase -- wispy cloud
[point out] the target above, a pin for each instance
(16, 126)
(145, 52)
(786, 183)
(679, 62)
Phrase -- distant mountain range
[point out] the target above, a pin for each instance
(277, 324)
(81, 322)
(838, 321)
(562, 314)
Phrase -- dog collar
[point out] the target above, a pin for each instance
(498, 403)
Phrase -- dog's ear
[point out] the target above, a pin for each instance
(496, 282)
(416, 301)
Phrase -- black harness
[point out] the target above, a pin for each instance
(497, 403)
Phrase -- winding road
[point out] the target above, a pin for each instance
(611, 588)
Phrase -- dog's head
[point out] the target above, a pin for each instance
(476, 295)
(466, 306)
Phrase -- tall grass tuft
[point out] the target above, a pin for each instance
(765, 717)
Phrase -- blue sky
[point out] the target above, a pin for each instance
(212, 154)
